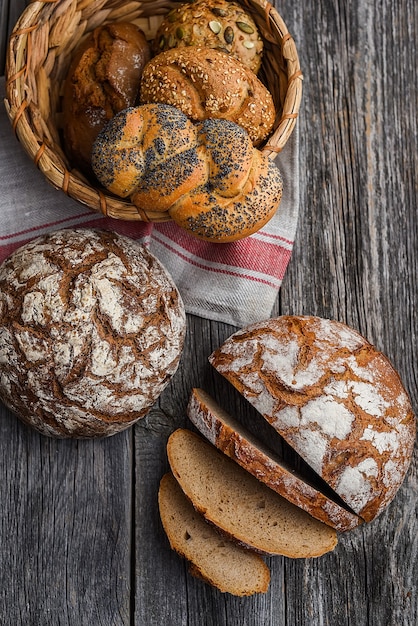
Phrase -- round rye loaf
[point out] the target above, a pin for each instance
(91, 331)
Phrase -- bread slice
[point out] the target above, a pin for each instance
(229, 436)
(214, 559)
(333, 397)
(240, 505)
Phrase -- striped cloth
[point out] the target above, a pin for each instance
(235, 283)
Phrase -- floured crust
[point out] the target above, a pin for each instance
(206, 83)
(91, 330)
(334, 398)
(232, 438)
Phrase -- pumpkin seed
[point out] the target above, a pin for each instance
(171, 41)
(229, 34)
(180, 32)
(172, 16)
(215, 27)
(246, 28)
(219, 12)
(248, 44)
(162, 42)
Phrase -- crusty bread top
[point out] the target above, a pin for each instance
(240, 505)
(335, 398)
(93, 328)
(230, 436)
(103, 78)
(216, 560)
(219, 24)
(206, 83)
(213, 213)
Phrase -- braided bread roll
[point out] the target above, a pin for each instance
(207, 176)
(204, 83)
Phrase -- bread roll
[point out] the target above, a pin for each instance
(207, 176)
(334, 398)
(91, 331)
(217, 24)
(229, 436)
(212, 558)
(241, 506)
(103, 79)
(205, 83)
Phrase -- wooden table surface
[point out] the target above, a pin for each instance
(80, 538)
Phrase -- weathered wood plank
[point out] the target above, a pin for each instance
(64, 528)
(356, 259)
(9, 13)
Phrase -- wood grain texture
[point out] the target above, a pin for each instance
(80, 538)
(64, 528)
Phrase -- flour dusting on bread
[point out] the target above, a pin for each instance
(335, 398)
(91, 331)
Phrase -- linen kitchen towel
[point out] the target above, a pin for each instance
(236, 283)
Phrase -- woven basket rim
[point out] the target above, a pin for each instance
(70, 181)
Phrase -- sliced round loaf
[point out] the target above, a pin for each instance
(227, 434)
(91, 331)
(240, 505)
(205, 83)
(217, 24)
(214, 559)
(334, 398)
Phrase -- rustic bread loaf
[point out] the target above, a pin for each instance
(333, 397)
(212, 558)
(204, 83)
(217, 24)
(229, 436)
(240, 505)
(91, 331)
(207, 176)
(103, 79)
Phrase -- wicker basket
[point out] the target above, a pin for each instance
(39, 55)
